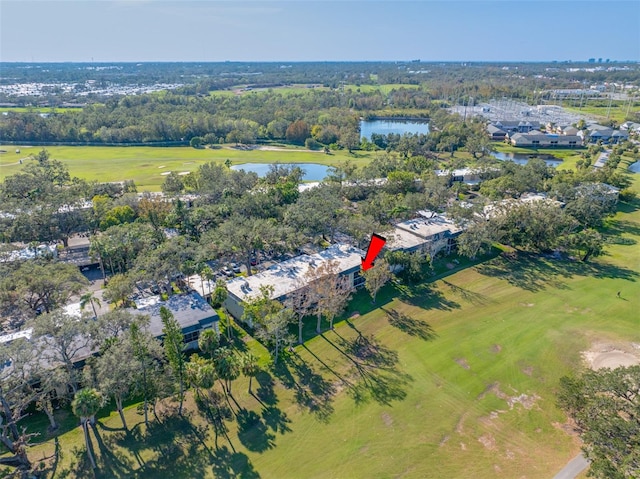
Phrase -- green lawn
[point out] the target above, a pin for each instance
(453, 378)
(145, 165)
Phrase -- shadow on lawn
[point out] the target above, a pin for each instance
(536, 273)
(312, 391)
(374, 368)
(413, 327)
(425, 296)
(181, 451)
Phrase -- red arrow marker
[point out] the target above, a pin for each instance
(375, 246)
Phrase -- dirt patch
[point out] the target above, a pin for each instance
(459, 428)
(488, 441)
(496, 348)
(528, 370)
(355, 314)
(527, 305)
(463, 446)
(569, 427)
(443, 441)
(527, 401)
(387, 419)
(463, 362)
(612, 355)
(450, 265)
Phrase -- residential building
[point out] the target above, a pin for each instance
(429, 234)
(537, 139)
(291, 275)
(191, 311)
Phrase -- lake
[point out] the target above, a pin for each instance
(384, 127)
(523, 159)
(312, 171)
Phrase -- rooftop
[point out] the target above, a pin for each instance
(190, 310)
(289, 275)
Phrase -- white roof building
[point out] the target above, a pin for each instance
(289, 276)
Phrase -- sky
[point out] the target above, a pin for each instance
(318, 30)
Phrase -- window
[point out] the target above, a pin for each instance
(191, 336)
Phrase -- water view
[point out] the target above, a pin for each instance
(312, 171)
(384, 127)
(523, 159)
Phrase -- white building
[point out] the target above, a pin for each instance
(290, 275)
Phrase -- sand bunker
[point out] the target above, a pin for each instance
(163, 166)
(612, 355)
(166, 173)
(182, 173)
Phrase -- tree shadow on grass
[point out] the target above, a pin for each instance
(180, 450)
(253, 432)
(112, 461)
(374, 368)
(265, 392)
(474, 298)
(425, 296)
(413, 327)
(311, 390)
(233, 465)
(536, 273)
(276, 419)
(617, 226)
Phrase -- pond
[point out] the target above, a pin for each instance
(384, 127)
(312, 171)
(635, 167)
(523, 158)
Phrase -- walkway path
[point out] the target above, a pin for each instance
(573, 468)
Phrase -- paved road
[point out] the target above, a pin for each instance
(573, 468)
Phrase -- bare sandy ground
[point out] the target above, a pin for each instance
(612, 355)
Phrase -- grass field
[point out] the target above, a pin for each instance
(145, 165)
(619, 110)
(451, 378)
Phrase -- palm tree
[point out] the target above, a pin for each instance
(208, 342)
(85, 405)
(227, 367)
(206, 274)
(90, 298)
(249, 366)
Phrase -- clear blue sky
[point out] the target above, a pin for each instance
(308, 30)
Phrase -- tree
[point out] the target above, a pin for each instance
(208, 342)
(90, 298)
(605, 405)
(86, 403)
(376, 277)
(147, 352)
(173, 347)
(274, 331)
(201, 374)
(65, 340)
(119, 288)
(250, 367)
(244, 236)
(14, 382)
(588, 243)
(44, 285)
(118, 215)
(116, 377)
(297, 132)
(220, 293)
(227, 366)
(328, 291)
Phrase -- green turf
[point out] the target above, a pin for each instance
(142, 164)
(453, 378)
